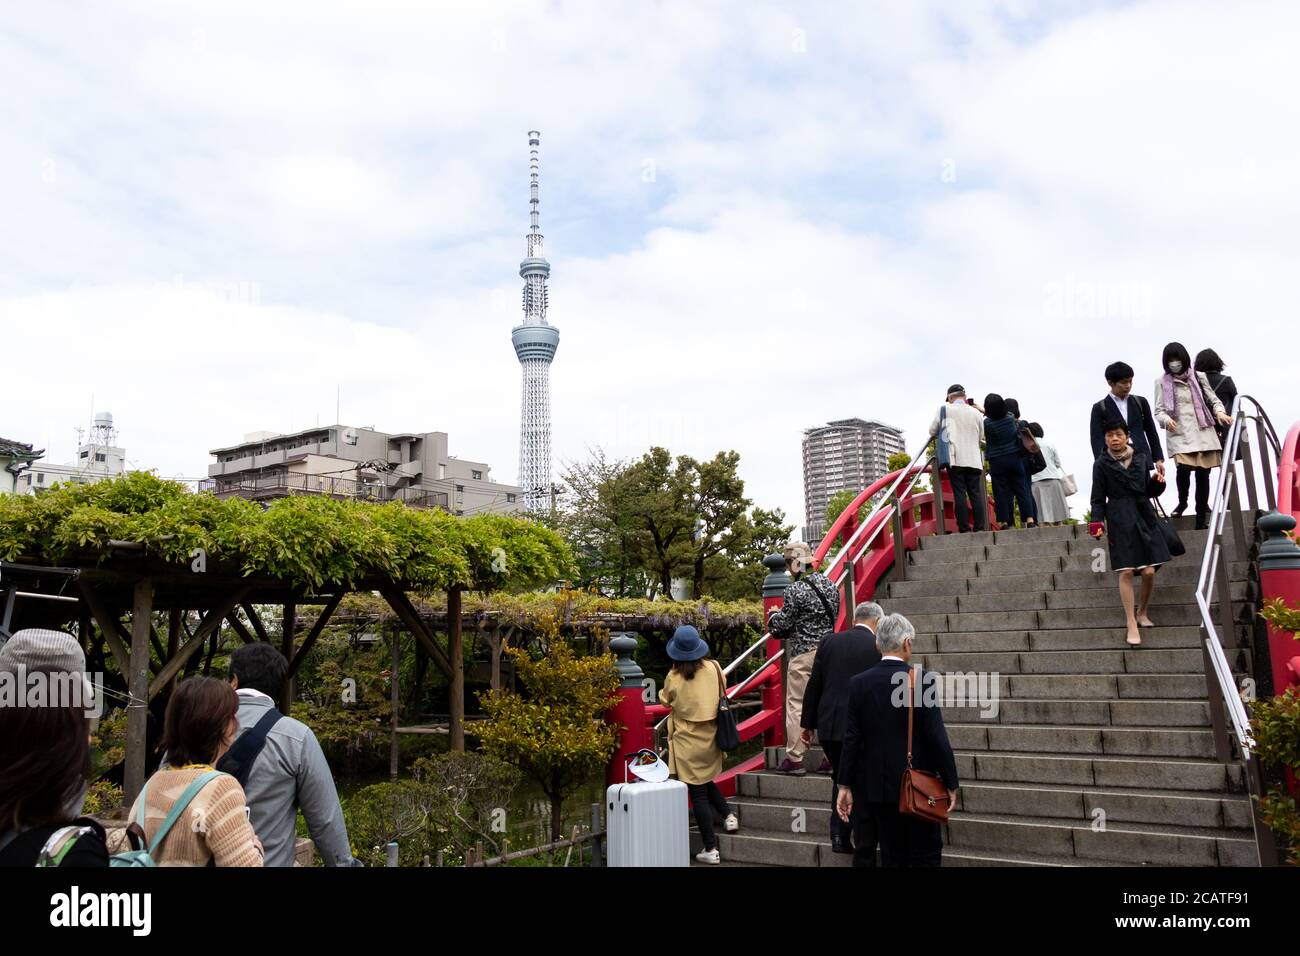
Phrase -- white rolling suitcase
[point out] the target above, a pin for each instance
(648, 824)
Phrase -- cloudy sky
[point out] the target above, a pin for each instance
(759, 216)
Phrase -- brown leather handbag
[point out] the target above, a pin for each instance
(922, 793)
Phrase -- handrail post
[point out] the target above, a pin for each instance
(940, 526)
(1248, 466)
(1214, 696)
(629, 712)
(774, 585)
(1265, 842)
(900, 548)
(1270, 479)
(1238, 519)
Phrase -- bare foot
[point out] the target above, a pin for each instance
(1134, 638)
(1144, 621)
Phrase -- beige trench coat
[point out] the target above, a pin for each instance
(693, 754)
(1190, 436)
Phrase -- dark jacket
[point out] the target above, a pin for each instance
(1142, 432)
(840, 658)
(1226, 389)
(875, 742)
(1120, 497)
(1002, 436)
(88, 850)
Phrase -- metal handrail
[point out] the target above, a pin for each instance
(916, 468)
(1214, 553)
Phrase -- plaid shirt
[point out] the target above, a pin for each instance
(802, 619)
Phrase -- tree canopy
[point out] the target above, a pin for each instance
(637, 525)
(307, 541)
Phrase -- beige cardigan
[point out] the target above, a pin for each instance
(214, 825)
(693, 754)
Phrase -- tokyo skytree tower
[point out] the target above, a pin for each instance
(535, 343)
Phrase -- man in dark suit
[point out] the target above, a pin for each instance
(841, 657)
(1134, 409)
(875, 748)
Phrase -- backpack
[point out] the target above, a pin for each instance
(60, 843)
(142, 855)
(942, 446)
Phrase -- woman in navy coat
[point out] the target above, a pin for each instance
(1123, 482)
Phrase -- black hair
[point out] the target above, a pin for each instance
(1175, 351)
(994, 406)
(1013, 406)
(259, 666)
(1036, 429)
(1118, 371)
(1115, 423)
(1207, 360)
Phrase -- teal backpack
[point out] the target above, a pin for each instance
(144, 856)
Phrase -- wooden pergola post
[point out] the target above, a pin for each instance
(456, 653)
(137, 709)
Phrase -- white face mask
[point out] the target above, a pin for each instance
(1176, 368)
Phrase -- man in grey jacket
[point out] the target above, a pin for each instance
(290, 772)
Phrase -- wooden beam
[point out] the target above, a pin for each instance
(258, 627)
(174, 619)
(456, 651)
(109, 626)
(326, 613)
(137, 708)
(211, 621)
(401, 604)
(286, 648)
(237, 626)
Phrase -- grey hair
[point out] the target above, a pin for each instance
(868, 611)
(893, 632)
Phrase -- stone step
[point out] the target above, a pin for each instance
(1068, 739)
(1142, 660)
(1127, 843)
(1194, 541)
(1067, 639)
(1066, 804)
(1075, 618)
(1097, 713)
(1068, 568)
(1105, 594)
(1173, 583)
(784, 849)
(1160, 773)
(1104, 686)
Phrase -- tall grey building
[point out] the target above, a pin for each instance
(535, 343)
(346, 462)
(846, 454)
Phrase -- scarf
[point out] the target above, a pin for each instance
(1124, 459)
(1191, 379)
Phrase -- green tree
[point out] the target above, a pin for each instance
(555, 731)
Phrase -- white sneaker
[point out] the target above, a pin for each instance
(731, 824)
(708, 856)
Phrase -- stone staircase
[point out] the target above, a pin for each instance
(1099, 754)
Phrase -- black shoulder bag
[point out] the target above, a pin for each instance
(728, 735)
(238, 760)
(1167, 530)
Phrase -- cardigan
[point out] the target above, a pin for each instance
(213, 827)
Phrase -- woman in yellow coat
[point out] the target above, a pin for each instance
(693, 690)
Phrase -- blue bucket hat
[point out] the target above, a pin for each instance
(687, 645)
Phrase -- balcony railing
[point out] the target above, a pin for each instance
(263, 487)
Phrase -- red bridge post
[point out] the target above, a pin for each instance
(630, 711)
(1279, 577)
(774, 585)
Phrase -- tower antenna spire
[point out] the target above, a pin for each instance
(535, 343)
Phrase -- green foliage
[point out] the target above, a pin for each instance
(353, 732)
(305, 540)
(1275, 725)
(451, 803)
(103, 799)
(636, 526)
(555, 731)
(1282, 616)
